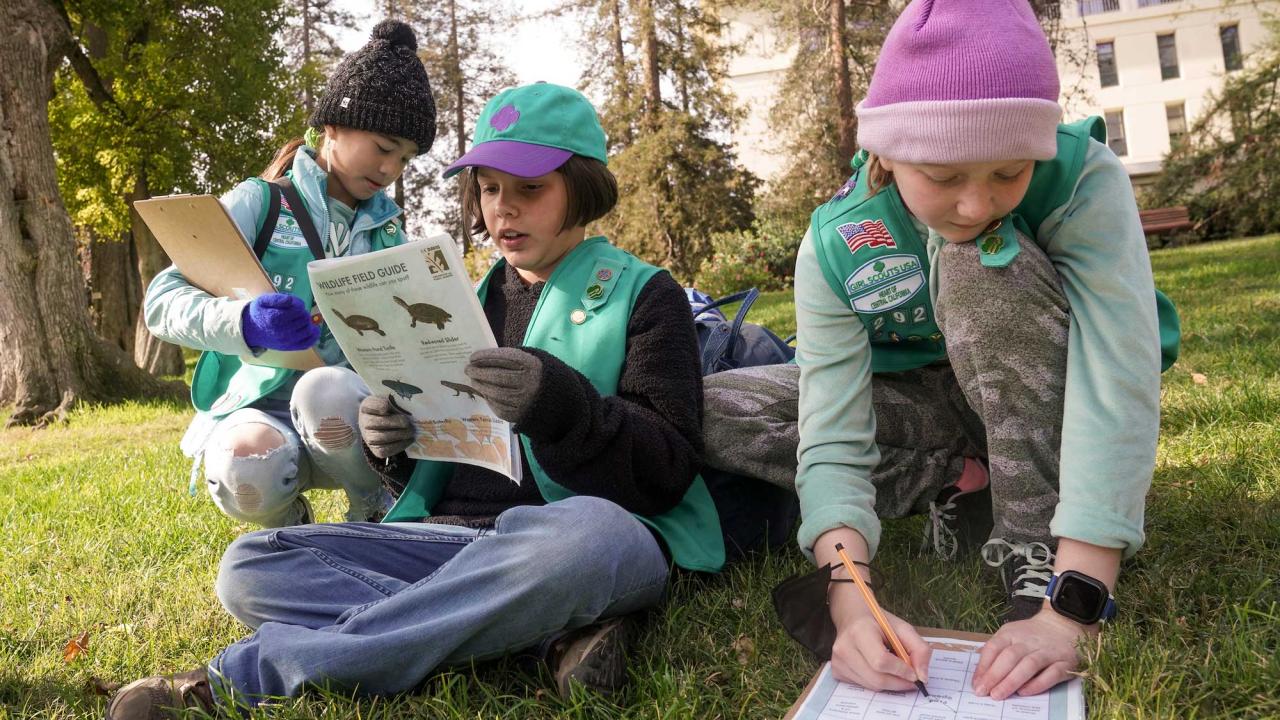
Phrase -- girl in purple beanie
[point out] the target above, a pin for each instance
(979, 339)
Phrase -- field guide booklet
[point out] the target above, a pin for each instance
(408, 319)
(955, 657)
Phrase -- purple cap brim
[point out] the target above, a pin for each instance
(512, 157)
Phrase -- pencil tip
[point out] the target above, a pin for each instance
(920, 687)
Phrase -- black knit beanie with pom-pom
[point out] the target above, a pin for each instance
(383, 88)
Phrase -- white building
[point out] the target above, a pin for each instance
(1153, 64)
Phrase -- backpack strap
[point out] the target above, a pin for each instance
(268, 226)
(721, 344)
(285, 185)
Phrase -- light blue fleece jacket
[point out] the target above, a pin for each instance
(182, 314)
(1111, 416)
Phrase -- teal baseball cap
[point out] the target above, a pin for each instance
(533, 129)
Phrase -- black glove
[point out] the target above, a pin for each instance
(385, 428)
(508, 378)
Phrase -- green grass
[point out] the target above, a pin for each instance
(101, 536)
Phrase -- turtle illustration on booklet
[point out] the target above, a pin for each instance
(410, 319)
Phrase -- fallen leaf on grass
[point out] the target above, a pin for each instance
(1199, 379)
(98, 686)
(75, 647)
(745, 647)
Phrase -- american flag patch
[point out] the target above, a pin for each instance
(868, 233)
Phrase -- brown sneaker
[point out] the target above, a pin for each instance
(594, 656)
(162, 696)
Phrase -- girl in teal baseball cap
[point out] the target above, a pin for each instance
(597, 368)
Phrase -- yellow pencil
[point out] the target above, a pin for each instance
(898, 650)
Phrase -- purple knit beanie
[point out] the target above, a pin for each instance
(961, 81)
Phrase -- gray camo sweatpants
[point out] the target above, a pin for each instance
(999, 397)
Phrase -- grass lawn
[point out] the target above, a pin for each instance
(101, 537)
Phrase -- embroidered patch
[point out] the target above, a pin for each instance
(288, 234)
(884, 283)
(595, 292)
(848, 186)
(390, 229)
(868, 233)
(504, 118)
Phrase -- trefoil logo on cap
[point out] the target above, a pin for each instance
(504, 118)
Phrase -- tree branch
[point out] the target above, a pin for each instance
(83, 66)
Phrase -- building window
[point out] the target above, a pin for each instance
(1115, 133)
(1176, 116)
(1230, 35)
(1093, 7)
(1107, 64)
(1168, 50)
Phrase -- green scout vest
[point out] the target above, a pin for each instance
(596, 285)
(871, 254)
(223, 384)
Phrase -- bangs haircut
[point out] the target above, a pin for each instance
(591, 189)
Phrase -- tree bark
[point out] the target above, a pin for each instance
(649, 58)
(846, 122)
(306, 53)
(459, 116)
(149, 352)
(619, 62)
(114, 295)
(50, 358)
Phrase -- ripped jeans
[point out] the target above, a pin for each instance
(315, 445)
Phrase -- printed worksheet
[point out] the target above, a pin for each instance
(950, 695)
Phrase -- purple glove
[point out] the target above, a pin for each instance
(278, 322)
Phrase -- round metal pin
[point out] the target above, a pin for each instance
(577, 317)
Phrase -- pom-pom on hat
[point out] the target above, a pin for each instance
(961, 81)
(531, 130)
(382, 88)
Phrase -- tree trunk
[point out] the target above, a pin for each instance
(619, 63)
(149, 352)
(50, 358)
(649, 58)
(306, 53)
(846, 123)
(114, 288)
(459, 116)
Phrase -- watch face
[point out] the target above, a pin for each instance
(1080, 598)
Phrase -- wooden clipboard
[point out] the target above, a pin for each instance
(204, 242)
(924, 632)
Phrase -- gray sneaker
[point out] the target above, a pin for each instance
(1025, 569)
(594, 656)
(162, 696)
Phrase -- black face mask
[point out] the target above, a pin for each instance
(801, 604)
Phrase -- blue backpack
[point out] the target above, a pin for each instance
(727, 345)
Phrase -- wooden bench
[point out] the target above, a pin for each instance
(1162, 220)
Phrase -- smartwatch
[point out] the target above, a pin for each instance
(1080, 597)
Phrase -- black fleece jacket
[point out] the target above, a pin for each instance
(640, 448)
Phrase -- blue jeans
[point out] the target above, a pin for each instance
(375, 608)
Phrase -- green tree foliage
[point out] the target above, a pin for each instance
(809, 108)
(158, 100)
(657, 68)
(311, 48)
(455, 42)
(1225, 169)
